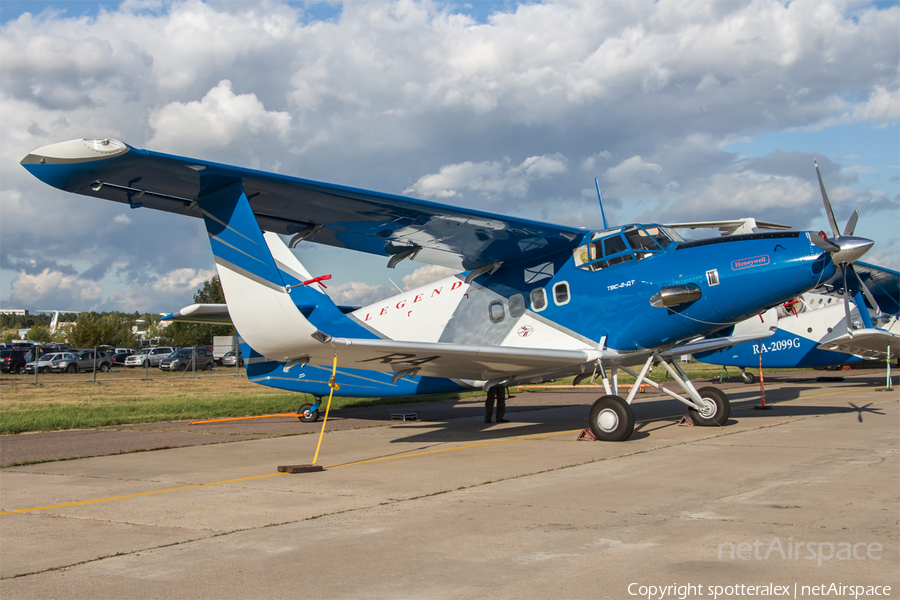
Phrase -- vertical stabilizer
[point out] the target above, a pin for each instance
(258, 300)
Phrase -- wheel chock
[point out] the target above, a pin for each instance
(686, 421)
(587, 435)
(300, 468)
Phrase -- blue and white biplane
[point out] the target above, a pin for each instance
(532, 302)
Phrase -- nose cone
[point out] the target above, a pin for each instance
(851, 248)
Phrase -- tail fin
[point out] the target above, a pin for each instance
(255, 290)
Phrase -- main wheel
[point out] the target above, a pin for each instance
(747, 377)
(71, 368)
(612, 419)
(716, 407)
(313, 416)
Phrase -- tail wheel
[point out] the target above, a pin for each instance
(716, 407)
(313, 416)
(611, 419)
(748, 378)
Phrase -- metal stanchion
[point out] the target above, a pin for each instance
(94, 374)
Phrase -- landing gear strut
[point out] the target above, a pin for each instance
(612, 419)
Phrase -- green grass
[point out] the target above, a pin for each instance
(69, 402)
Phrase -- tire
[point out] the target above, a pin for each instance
(183, 368)
(209, 367)
(611, 419)
(72, 369)
(45, 370)
(718, 408)
(313, 416)
(20, 370)
(748, 378)
(104, 368)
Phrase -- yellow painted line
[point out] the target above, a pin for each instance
(801, 398)
(187, 487)
(360, 462)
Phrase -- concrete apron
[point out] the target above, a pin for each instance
(461, 509)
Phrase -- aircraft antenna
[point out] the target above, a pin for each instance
(602, 212)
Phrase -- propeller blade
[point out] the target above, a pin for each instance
(851, 223)
(828, 211)
(826, 245)
(866, 292)
(847, 301)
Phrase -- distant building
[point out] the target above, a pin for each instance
(19, 312)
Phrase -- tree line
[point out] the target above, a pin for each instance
(115, 328)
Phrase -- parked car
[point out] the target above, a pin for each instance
(44, 363)
(148, 357)
(119, 356)
(81, 361)
(13, 360)
(180, 360)
(230, 358)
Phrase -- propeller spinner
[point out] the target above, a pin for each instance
(845, 250)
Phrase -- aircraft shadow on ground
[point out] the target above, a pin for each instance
(650, 414)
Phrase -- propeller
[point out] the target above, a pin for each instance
(845, 250)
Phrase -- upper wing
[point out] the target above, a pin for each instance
(383, 224)
(731, 227)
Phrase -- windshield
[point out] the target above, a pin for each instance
(181, 353)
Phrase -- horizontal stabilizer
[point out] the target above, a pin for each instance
(215, 314)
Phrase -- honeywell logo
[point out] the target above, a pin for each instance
(746, 263)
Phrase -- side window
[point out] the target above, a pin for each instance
(516, 306)
(496, 311)
(561, 293)
(538, 299)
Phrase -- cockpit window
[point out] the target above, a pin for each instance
(632, 242)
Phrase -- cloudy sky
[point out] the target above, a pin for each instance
(683, 110)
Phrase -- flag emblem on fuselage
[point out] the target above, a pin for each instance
(542, 271)
(525, 330)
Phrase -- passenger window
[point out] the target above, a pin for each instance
(561, 293)
(496, 311)
(538, 299)
(516, 306)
